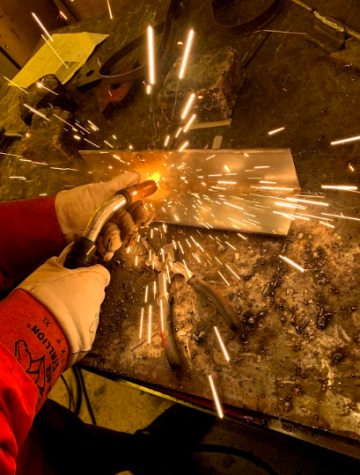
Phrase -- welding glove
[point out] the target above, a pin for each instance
(75, 207)
(73, 297)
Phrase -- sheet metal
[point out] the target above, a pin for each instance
(224, 189)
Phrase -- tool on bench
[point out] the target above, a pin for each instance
(200, 286)
(83, 252)
(116, 84)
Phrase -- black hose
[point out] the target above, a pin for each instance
(78, 391)
(87, 400)
(70, 396)
(223, 449)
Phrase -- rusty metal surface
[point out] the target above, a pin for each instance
(284, 362)
(189, 189)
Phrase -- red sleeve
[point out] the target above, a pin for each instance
(30, 234)
(33, 354)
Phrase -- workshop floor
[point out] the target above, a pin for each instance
(123, 408)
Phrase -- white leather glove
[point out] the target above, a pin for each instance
(75, 207)
(73, 297)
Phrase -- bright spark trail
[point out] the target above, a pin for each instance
(151, 54)
(292, 263)
(216, 398)
(186, 53)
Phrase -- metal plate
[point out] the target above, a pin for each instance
(233, 190)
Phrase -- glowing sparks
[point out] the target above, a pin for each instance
(276, 131)
(233, 206)
(54, 51)
(317, 203)
(148, 89)
(151, 54)
(183, 146)
(161, 315)
(232, 271)
(351, 168)
(279, 188)
(167, 140)
(178, 132)
(149, 324)
(93, 126)
(36, 112)
(216, 398)
(230, 245)
(350, 139)
(118, 158)
(211, 156)
(242, 237)
(292, 263)
(91, 143)
(141, 322)
(187, 106)
(62, 14)
(341, 216)
(17, 178)
(65, 122)
(313, 216)
(42, 26)
(289, 205)
(227, 168)
(339, 187)
(186, 53)
(190, 121)
(222, 346)
(13, 84)
(223, 278)
(110, 11)
(154, 289)
(146, 294)
(136, 260)
(40, 85)
(188, 348)
(326, 224)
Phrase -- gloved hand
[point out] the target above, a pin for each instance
(75, 207)
(73, 297)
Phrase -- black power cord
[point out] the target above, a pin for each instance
(223, 449)
(87, 400)
(70, 395)
(78, 391)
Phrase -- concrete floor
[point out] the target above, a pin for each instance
(126, 409)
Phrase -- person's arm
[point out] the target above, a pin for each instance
(34, 230)
(30, 234)
(33, 353)
(48, 323)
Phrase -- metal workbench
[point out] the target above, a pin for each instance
(295, 364)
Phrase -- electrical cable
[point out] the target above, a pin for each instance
(70, 395)
(223, 449)
(87, 400)
(78, 391)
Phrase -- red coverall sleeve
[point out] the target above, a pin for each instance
(30, 234)
(33, 348)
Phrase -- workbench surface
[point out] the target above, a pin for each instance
(297, 355)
